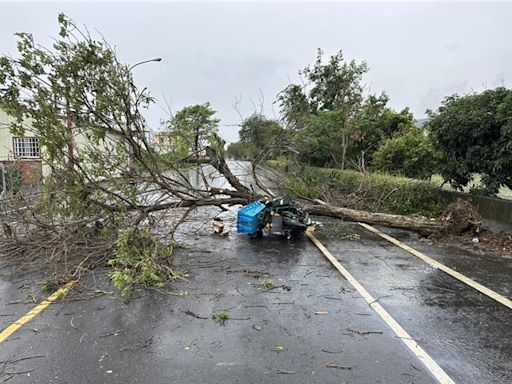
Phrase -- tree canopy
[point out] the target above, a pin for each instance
(194, 127)
(108, 187)
(474, 135)
(336, 123)
(410, 154)
(257, 133)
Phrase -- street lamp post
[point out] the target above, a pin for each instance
(156, 59)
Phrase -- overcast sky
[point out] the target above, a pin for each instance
(220, 52)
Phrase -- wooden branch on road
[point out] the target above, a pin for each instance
(422, 225)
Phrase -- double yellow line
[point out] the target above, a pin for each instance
(36, 311)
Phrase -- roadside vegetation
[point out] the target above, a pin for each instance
(115, 198)
(373, 192)
(347, 147)
(331, 122)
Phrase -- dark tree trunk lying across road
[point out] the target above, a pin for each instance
(424, 226)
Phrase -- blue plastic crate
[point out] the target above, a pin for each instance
(249, 217)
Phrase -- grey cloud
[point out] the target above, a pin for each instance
(454, 47)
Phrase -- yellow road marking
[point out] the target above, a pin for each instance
(459, 276)
(441, 376)
(34, 312)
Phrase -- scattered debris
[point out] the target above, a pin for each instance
(327, 351)
(190, 313)
(279, 216)
(363, 333)
(114, 333)
(219, 227)
(332, 365)
(350, 236)
(220, 317)
(283, 372)
(267, 283)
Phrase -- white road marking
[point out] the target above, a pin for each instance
(459, 276)
(441, 376)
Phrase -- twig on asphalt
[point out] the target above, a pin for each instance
(332, 365)
(21, 359)
(332, 298)
(114, 333)
(327, 351)
(283, 371)
(19, 373)
(72, 324)
(378, 298)
(365, 332)
(190, 313)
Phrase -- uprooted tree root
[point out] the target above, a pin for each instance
(461, 217)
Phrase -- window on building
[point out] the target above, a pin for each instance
(26, 147)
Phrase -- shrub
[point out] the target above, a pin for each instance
(372, 192)
(411, 154)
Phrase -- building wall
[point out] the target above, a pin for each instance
(5, 137)
(32, 169)
(35, 168)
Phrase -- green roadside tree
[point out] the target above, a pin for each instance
(317, 142)
(194, 127)
(334, 85)
(241, 151)
(411, 154)
(474, 135)
(358, 123)
(257, 133)
(375, 124)
(295, 106)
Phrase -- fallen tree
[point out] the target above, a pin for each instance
(458, 218)
(112, 195)
(421, 225)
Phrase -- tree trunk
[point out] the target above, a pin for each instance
(343, 150)
(424, 226)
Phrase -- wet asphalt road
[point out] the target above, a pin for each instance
(275, 335)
